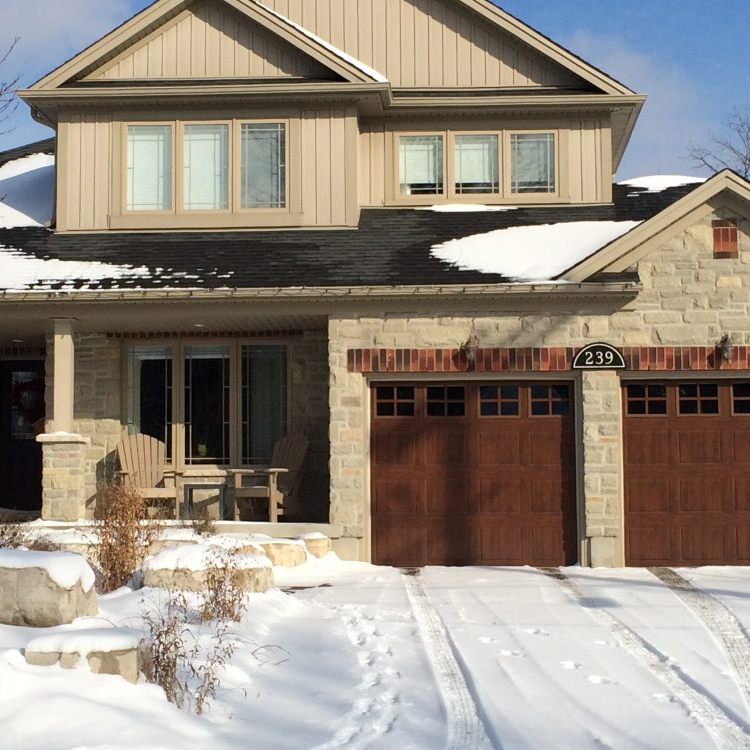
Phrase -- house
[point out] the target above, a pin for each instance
(390, 225)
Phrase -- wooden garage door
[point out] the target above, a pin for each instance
(687, 473)
(473, 473)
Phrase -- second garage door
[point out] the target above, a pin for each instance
(687, 473)
(473, 473)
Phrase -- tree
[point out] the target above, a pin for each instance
(8, 100)
(729, 150)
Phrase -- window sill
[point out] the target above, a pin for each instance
(259, 220)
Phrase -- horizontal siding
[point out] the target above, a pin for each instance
(425, 43)
(215, 42)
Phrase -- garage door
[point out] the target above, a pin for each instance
(687, 473)
(473, 473)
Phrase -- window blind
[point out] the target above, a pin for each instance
(477, 167)
(149, 168)
(206, 167)
(421, 164)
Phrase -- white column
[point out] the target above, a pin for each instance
(63, 375)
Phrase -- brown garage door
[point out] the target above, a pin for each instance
(473, 473)
(687, 473)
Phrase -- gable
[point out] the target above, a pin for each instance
(211, 40)
(429, 43)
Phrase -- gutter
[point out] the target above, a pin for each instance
(323, 294)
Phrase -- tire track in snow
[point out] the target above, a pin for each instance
(465, 729)
(720, 623)
(726, 733)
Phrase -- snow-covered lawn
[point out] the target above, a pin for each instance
(348, 655)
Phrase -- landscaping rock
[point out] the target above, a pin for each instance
(317, 544)
(44, 589)
(284, 553)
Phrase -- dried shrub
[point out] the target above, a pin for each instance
(175, 659)
(125, 533)
(224, 597)
(14, 535)
(201, 520)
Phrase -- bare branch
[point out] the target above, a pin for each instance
(729, 150)
(8, 99)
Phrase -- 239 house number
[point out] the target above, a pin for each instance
(598, 357)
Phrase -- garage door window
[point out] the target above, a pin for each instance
(446, 401)
(548, 400)
(698, 398)
(647, 399)
(741, 398)
(394, 401)
(498, 401)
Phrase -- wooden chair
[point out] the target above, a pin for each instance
(278, 484)
(142, 465)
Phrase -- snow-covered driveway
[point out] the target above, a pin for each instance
(354, 656)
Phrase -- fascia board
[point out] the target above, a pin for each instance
(639, 241)
(546, 46)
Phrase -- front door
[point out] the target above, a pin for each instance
(21, 409)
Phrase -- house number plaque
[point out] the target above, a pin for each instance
(599, 357)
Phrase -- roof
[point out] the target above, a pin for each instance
(46, 146)
(390, 247)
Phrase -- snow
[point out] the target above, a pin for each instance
(84, 642)
(465, 208)
(64, 568)
(659, 182)
(366, 69)
(199, 557)
(27, 191)
(344, 656)
(531, 253)
(21, 271)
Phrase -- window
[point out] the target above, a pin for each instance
(547, 400)
(394, 401)
(698, 398)
(532, 159)
(209, 178)
(476, 164)
(646, 399)
(263, 165)
(421, 164)
(445, 401)
(149, 168)
(741, 398)
(205, 182)
(210, 404)
(498, 401)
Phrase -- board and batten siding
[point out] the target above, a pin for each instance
(584, 156)
(322, 179)
(425, 43)
(211, 41)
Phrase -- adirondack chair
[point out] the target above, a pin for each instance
(278, 484)
(142, 465)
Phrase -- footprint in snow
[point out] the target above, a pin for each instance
(571, 665)
(506, 652)
(536, 631)
(611, 644)
(486, 639)
(597, 679)
(663, 698)
(366, 659)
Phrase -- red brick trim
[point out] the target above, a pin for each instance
(540, 359)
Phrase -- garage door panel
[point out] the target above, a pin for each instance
(692, 505)
(502, 495)
(499, 449)
(486, 477)
(699, 446)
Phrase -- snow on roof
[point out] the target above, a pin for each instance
(465, 208)
(22, 271)
(657, 183)
(531, 253)
(64, 568)
(27, 191)
(366, 69)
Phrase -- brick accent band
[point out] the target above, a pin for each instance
(541, 359)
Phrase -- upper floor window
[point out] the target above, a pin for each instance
(458, 164)
(532, 160)
(149, 184)
(211, 179)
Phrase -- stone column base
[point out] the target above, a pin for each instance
(63, 476)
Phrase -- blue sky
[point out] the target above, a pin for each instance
(690, 57)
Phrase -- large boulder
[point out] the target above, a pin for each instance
(44, 589)
(186, 568)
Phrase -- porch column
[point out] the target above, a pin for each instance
(602, 468)
(63, 451)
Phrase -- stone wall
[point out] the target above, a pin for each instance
(688, 297)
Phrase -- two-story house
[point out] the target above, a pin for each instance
(390, 225)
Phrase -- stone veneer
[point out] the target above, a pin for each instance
(689, 298)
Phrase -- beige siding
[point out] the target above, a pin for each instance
(425, 43)
(323, 172)
(584, 157)
(84, 174)
(214, 42)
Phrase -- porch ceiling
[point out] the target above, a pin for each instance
(27, 323)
